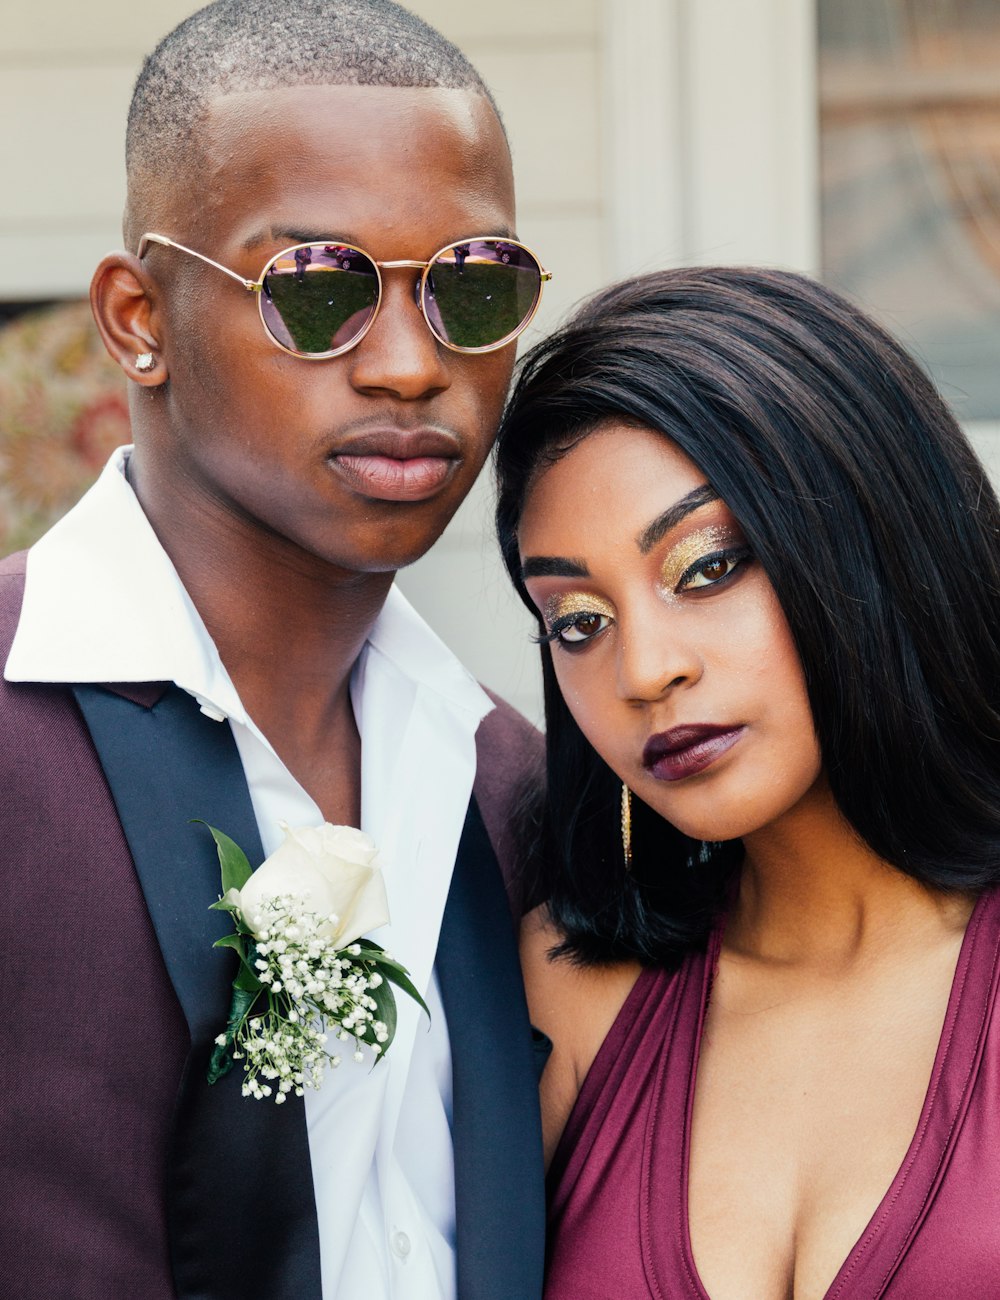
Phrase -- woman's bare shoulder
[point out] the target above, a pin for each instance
(575, 1005)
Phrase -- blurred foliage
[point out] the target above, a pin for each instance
(62, 411)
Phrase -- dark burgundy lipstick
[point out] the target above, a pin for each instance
(685, 751)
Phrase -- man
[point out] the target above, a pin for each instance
(213, 634)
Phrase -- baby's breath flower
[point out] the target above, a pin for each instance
(304, 978)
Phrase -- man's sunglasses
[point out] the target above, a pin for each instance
(319, 300)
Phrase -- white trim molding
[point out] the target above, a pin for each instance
(711, 145)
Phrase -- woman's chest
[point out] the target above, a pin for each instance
(848, 1150)
(806, 1101)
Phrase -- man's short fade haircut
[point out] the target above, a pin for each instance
(240, 45)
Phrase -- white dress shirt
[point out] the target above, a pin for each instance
(103, 603)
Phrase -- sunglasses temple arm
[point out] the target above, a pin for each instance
(252, 285)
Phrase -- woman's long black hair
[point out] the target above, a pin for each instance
(879, 531)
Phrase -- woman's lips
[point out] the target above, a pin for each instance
(389, 479)
(686, 751)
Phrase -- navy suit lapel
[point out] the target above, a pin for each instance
(240, 1198)
(499, 1181)
(166, 765)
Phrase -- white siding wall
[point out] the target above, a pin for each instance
(645, 133)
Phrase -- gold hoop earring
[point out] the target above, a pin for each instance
(627, 826)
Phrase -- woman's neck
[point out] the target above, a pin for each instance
(813, 894)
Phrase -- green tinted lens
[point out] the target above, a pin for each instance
(319, 297)
(480, 293)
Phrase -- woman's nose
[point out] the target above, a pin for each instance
(654, 659)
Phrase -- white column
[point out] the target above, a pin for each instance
(712, 132)
(644, 167)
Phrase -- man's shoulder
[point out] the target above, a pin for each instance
(506, 742)
(12, 571)
(45, 749)
(510, 773)
(14, 565)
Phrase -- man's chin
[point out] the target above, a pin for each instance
(386, 554)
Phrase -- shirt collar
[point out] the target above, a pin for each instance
(104, 603)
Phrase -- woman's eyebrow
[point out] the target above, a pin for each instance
(662, 524)
(553, 566)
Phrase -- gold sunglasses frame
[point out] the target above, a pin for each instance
(257, 287)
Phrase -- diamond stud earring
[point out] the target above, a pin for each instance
(145, 361)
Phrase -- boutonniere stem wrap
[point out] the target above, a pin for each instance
(307, 981)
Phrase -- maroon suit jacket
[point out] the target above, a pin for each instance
(126, 1176)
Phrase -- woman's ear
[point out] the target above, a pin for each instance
(122, 297)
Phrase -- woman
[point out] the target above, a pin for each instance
(766, 569)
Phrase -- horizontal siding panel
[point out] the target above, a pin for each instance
(67, 146)
(60, 30)
(468, 23)
(550, 104)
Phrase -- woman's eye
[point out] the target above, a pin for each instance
(582, 627)
(712, 569)
(574, 630)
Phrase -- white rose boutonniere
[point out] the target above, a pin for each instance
(305, 970)
(335, 868)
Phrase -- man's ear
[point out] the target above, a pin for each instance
(123, 300)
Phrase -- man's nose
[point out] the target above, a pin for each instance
(399, 354)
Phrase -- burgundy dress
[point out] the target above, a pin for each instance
(618, 1185)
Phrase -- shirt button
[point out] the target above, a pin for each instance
(400, 1244)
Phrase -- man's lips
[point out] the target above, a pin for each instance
(686, 751)
(397, 464)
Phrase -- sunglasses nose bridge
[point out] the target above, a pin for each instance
(419, 284)
(408, 264)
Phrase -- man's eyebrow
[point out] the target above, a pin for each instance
(662, 524)
(288, 237)
(553, 566)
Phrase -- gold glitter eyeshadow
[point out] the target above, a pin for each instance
(688, 551)
(575, 602)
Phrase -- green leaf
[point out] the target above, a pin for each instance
(385, 1002)
(247, 982)
(221, 1060)
(400, 976)
(391, 969)
(246, 979)
(229, 902)
(230, 941)
(240, 1007)
(236, 869)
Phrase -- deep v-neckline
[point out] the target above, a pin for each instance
(666, 1239)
